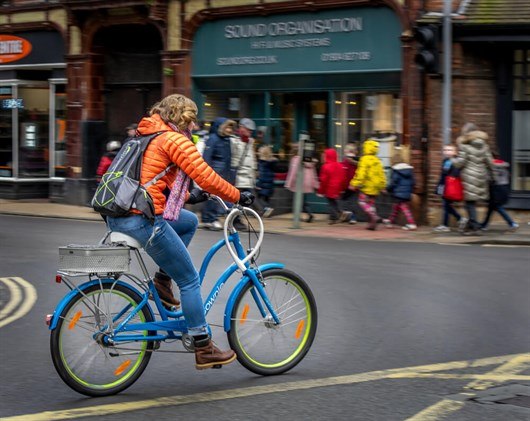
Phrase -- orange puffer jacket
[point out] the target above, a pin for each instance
(173, 147)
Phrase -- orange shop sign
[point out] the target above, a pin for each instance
(13, 48)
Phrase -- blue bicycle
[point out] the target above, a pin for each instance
(104, 331)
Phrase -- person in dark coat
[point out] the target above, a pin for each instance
(265, 181)
(218, 154)
(448, 170)
(401, 187)
(499, 193)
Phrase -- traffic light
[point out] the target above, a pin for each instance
(427, 54)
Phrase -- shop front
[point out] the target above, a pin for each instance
(32, 113)
(334, 74)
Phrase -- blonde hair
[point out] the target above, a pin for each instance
(397, 157)
(177, 109)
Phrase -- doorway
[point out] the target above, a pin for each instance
(129, 59)
(294, 113)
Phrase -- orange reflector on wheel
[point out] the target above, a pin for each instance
(123, 366)
(75, 319)
(299, 329)
(244, 314)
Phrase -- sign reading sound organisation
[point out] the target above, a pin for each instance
(328, 41)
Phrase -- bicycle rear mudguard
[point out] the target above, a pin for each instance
(68, 297)
(237, 289)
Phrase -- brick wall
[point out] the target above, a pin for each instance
(473, 99)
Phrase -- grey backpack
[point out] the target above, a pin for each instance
(120, 190)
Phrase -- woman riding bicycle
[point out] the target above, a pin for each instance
(174, 226)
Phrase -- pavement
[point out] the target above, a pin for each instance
(498, 233)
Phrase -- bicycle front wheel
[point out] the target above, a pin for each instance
(263, 346)
(80, 355)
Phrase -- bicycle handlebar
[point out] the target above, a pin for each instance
(228, 225)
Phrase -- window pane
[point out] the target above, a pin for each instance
(6, 131)
(521, 150)
(60, 131)
(358, 116)
(34, 132)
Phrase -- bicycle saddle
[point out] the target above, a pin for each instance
(119, 237)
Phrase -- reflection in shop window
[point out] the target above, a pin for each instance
(34, 132)
(358, 116)
(59, 132)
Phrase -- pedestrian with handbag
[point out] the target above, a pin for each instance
(449, 177)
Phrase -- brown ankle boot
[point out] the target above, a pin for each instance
(165, 290)
(207, 355)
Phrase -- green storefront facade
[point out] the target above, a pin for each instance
(320, 72)
(334, 73)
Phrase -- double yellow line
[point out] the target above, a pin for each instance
(22, 297)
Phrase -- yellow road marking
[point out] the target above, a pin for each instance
(505, 372)
(508, 369)
(170, 401)
(15, 286)
(437, 411)
(493, 378)
(15, 297)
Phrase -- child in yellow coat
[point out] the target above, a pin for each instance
(370, 179)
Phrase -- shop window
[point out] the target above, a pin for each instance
(358, 116)
(7, 104)
(33, 131)
(521, 121)
(59, 131)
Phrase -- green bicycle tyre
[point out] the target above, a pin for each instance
(262, 346)
(86, 365)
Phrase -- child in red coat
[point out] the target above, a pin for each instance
(332, 183)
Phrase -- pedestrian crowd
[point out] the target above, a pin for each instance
(470, 173)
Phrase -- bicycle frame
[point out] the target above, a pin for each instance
(174, 322)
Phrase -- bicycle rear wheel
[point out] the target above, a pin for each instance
(261, 345)
(79, 354)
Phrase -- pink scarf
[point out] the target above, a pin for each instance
(179, 190)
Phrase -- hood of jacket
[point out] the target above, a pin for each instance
(476, 138)
(224, 125)
(370, 147)
(404, 169)
(330, 155)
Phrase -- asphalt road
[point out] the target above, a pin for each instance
(382, 307)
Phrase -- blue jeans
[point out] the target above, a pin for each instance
(168, 248)
(449, 210)
(502, 212)
(210, 211)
